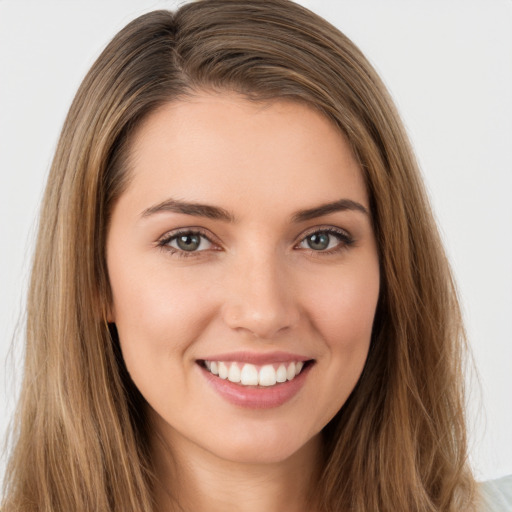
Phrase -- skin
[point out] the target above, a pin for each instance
(257, 287)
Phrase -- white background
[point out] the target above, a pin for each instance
(448, 65)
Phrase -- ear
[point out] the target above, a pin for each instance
(106, 307)
(110, 313)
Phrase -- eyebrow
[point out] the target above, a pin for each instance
(328, 208)
(217, 213)
(195, 209)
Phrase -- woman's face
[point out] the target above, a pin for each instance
(242, 249)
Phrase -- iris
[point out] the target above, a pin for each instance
(318, 241)
(188, 242)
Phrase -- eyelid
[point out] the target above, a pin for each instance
(166, 238)
(345, 238)
(324, 228)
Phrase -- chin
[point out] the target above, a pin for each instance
(266, 444)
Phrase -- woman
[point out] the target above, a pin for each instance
(239, 298)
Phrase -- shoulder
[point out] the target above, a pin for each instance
(496, 495)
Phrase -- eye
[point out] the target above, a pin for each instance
(184, 242)
(326, 240)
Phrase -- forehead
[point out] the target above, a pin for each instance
(222, 148)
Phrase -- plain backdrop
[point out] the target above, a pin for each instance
(448, 65)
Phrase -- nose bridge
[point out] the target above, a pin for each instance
(259, 295)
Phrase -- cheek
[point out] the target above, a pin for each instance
(343, 315)
(343, 311)
(157, 314)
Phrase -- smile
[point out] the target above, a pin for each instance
(247, 374)
(256, 381)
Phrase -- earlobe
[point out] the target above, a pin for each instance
(110, 314)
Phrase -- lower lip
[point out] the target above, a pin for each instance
(253, 397)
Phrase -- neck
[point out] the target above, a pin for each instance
(192, 479)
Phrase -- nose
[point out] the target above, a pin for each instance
(261, 299)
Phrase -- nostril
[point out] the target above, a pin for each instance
(261, 323)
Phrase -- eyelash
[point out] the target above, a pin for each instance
(344, 238)
(164, 242)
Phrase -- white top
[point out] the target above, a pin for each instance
(496, 495)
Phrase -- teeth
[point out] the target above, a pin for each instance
(281, 373)
(223, 371)
(290, 373)
(267, 375)
(250, 375)
(234, 374)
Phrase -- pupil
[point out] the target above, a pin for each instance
(318, 242)
(188, 242)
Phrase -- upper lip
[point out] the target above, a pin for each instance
(257, 358)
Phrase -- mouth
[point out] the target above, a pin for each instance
(259, 384)
(247, 374)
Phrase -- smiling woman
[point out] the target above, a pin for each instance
(270, 296)
(239, 299)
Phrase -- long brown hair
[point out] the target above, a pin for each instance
(399, 442)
